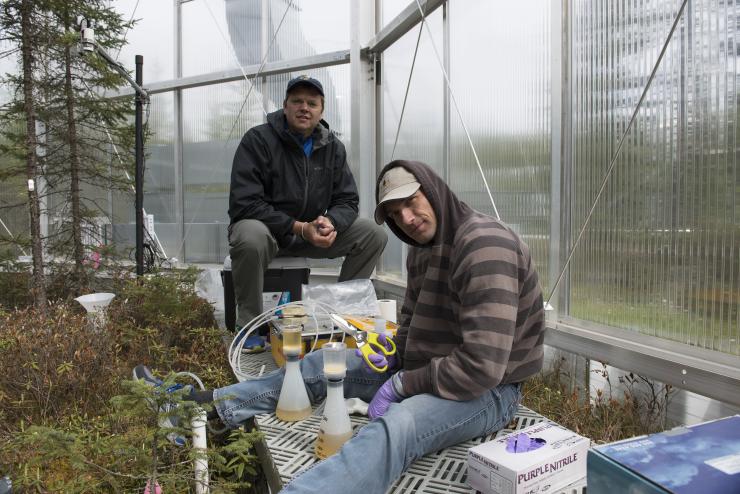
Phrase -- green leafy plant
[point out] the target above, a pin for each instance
(70, 419)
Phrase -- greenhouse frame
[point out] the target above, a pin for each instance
(604, 132)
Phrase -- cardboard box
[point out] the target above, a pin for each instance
(538, 459)
(699, 458)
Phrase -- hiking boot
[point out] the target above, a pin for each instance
(167, 420)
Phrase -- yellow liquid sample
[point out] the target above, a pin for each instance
(293, 415)
(328, 444)
(292, 343)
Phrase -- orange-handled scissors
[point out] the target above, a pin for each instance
(367, 342)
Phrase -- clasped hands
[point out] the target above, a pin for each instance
(319, 232)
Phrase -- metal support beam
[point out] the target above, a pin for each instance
(362, 79)
(401, 24)
(294, 65)
(705, 372)
(177, 144)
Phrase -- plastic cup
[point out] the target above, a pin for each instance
(380, 327)
(292, 342)
(335, 363)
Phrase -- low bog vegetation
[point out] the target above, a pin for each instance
(70, 418)
(635, 406)
(72, 421)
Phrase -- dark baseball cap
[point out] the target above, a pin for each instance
(304, 80)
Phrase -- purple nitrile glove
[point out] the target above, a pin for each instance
(522, 443)
(382, 400)
(378, 359)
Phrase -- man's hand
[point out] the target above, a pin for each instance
(382, 400)
(323, 225)
(320, 232)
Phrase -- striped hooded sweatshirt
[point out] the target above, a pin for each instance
(473, 314)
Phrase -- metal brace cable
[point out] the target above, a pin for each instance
(244, 103)
(457, 109)
(613, 161)
(406, 95)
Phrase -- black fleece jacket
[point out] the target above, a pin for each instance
(274, 182)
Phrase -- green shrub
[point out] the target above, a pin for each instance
(70, 421)
(604, 417)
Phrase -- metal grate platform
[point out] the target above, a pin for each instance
(290, 449)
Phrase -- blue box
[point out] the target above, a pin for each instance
(703, 458)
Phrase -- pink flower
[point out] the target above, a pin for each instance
(157, 488)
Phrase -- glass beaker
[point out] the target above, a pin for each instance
(335, 428)
(293, 403)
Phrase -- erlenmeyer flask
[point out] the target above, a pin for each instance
(335, 428)
(293, 403)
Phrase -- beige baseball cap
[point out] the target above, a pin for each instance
(396, 183)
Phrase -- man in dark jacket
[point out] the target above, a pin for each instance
(293, 194)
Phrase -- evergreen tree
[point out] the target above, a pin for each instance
(84, 125)
(76, 140)
(24, 27)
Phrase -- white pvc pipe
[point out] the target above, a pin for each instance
(200, 464)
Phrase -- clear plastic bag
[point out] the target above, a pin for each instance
(208, 286)
(355, 297)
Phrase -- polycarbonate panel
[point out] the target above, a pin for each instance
(12, 191)
(206, 38)
(309, 27)
(661, 254)
(391, 8)
(8, 65)
(226, 34)
(13, 200)
(420, 128)
(500, 77)
(213, 124)
(152, 37)
(159, 180)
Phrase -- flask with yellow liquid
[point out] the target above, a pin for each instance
(335, 428)
(293, 404)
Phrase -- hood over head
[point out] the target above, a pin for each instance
(450, 210)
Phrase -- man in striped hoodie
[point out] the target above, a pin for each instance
(472, 317)
(471, 331)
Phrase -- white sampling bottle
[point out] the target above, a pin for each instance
(293, 404)
(335, 428)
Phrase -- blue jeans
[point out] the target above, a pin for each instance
(383, 449)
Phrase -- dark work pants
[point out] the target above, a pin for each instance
(252, 247)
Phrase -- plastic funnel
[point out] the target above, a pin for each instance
(95, 302)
